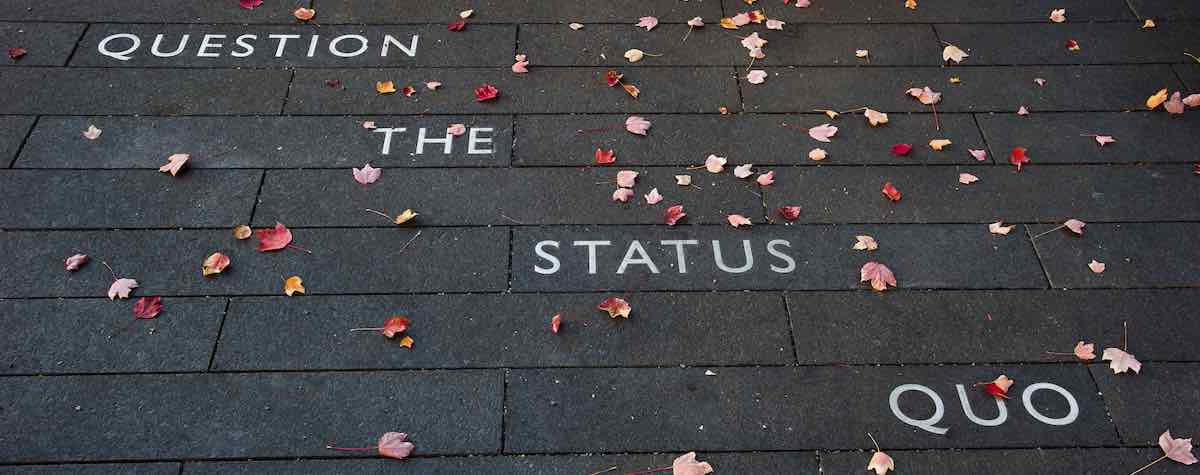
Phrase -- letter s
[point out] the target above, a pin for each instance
(540, 251)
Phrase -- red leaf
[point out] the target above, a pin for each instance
(995, 390)
(674, 214)
(395, 325)
(457, 26)
(251, 4)
(613, 78)
(147, 308)
(486, 92)
(901, 149)
(1018, 157)
(616, 307)
(555, 323)
(891, 192)
(16, 53)
(790, 213)
(334, 83)
(274, 239)
(605, 158)
(408, 91)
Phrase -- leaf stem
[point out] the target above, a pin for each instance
(298, 248)
(369, 210)
(350, 449)
(414, 238)
(876, 444)
(110, 269)
(936, 124)
(653, 470)
(1125, 334)
(1160, 459)
(609, 469)
(1048, 232)
(598, 129)
(366, 329)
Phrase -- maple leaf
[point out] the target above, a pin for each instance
(92, 132)
(773, 24)
(367, 174)
(821, 133)
(1104, 139)
(274, 239)
(486, 92)
(121, 288)
(1097, 267)
(616, 307)
(637, 125)
(766, 179)
(626, 178)
(901, 149)
(1085, 351)
(405, 216)
(406, 341)
(790, 213)
(1157, 99)
(686, 464)
(1018, 157)
(980, 155)
(865, 243)
(174, 163)
(674, 214)
(631, 90)
(1075, 225)
(753, 42)
(214, 264)
(555, 323)
(304, 14)
(147, 308)
(715, 164)
(292, 285)
(1179, 450)
(647, 22)
(385, 87)
(73, 263)
(654, 197)
(967, 178)
(696, 22)
(737, 220)
(875, 117)
(250, 4)
(1058, 15)
(878, 275)
(939, 144)
(953, 53)
(457, 25)
(1022, 111)
(817, 154)
(394, 325)
(889, 190)
(743, 171)
(622, 195)
(881, 463)
(605, 158)
(741, 19)
(756, 76)
(925, 95)
(242, 232)
(998, 227)
(1120, 361)
(1175, 104)
(456, 129)
(395, 445)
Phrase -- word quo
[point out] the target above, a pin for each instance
(123, 46)
(939, 409)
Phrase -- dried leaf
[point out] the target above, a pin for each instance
(1104, 139)
(406, 341)
(631, 90)
(1075, 225)
(790, 213)
(756, 76)
(555, 323)
(925, 95)
(405, 216)
(634, 55)
(865, 243)
(637, 125)
(881, 463)
(74, 262)
(456, 129)
(576, 26)
(292, 285)
(686, 464)
(647, 22)
(728, 24)
(980, 155)
(1148, 24)
(998, 227)
(1022, 111)
(775, 24)
(214, 264)
(394, 325)
(622, 195)
(626, 178)
(1096, 266)
(683, 180)
(1072, 45)
(385, 87)
(146, 308)
(939, 144)
(953, 53)
(715, 164)
(766, 179)
(274, 239)
(242, 232)
(1120, 361)
(737, 220)
(878, 275)
(875, 117)
(1175, 104)
(654, 197)
(967, 178)
(304, 14)
(174, 163)
(822, 133)
(696, 22)
(1157, 99)
(1192, 100)
(743, 171)
(1085, 351)
(616, 307)
(121, 288)
(92, 133)
(367, 174)
(861, 53)
(817, 154)
(1058, 15)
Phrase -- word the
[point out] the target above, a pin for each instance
(122, 46)
(475, 139)
(635, 255)
(939, 409)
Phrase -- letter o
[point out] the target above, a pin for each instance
(1027, 397)
(939, 409)
(362, 41)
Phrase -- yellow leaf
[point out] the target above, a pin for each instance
(292, 285)
(242, 232)
(749, 2)
(953, 53)
(632, 90)
(385, 87)
(728, 24)
(1148, 24)
(831, 113)
(955, 80)
(406, 342)
(938, 144)
(910, 4)
(875, 117)
(1157, 99)
(406, 216)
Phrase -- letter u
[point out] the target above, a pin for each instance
(158, 40)
(733, 270)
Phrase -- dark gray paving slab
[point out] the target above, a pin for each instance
(581, 410)
(1168, 9)
(13, 131)
(94, 469)
(1190, 74)
(987, 326)
(762, 139)
(1135, 255)
(808, 257)
(523, 11)
(202, 416)
(342, 261)
(1044, 43)
(605, 45)
(152, 92)
(773, 462)
(950, 11)
(1063, 137)
(133, 45)
(126, 198)
(266, 142)
(983, 89)
(496, 196)
(935, 195)
(46, 44)
(1032, 462)
(1157, 399)
(1179, 37)
(47, 336)
(504, 331)
(546, 90)
(183, 11)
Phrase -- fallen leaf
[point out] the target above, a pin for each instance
(250, 4)
(775, 24)
(743, 171)
(395, 445)
(622, 195)
(1157, 99)
(910, 4)
(805, 3)
(790, 213)
(1096, 266)
(865, 243)
(955, 80)
(1120, 361)
(686, 464)
(637, 125)
(1075, 225)
(1022, 111)
(831, 113)
(1018, 157)
(890, 191)
(367, 174)
(555, 323)
(634, 55)
(458, 25)
(626, 178)
(616, 307)
(878, 274)
(631, 90)
(817, 154)
(925, 95)
(998, 227)
(146, 308)
(1148, 24)
(575, 26)
(999, 387)
(654, 197)
(1104, 139)
(92, 133)
(766, 179)
(121, 288)
(174, 163)
(274, 239)
(1179, 450)
(728, 24)
(875, 117)
(405, 216)
(1085, 351)
(1072, 45)
(394, 326)
(647, 22)
(753, 42)
(466, 14)
(304, 14)
(696, 22)
(369, 125)
(953, 53)
(406, 342)
(674, 214)
(486, 92)
(821, 133)
(756, 76)
(214, 264)
(939, 144)
(741, 19)
(433, 85)
(901, 149)
(1192, 100)
(980, 155)
(967, 178)
(242, 232)
(1039, 81)
(757, 16)
(683, 180)
(521, 66)
(714, 164)
(861, 53)
(385, 87)
(292, 285)
(73, 263)
(737, 220)
(881, 463)
(605, 157)
(1058, 15)
(1175, 104)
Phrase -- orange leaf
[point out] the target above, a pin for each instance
(292, 285)
(385, 87)
(632, 90)
(616, 307)
(214, 264)
(406, 342)
(890, 191)
(242, 232)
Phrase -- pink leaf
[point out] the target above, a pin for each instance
(743, 171)
(980, 155)
(1120, 361)
(626, 178)
(1175, 105)
(1104, 139)
(901, 149)
(622, 195)
(616, 307)
(1179, 450)
(686, 464)
(647, 22)
(92, 132)
(250, 4)
(967, 178)
(637, 125)
(926, 95)
(773, 24)
(274, 239)
(654, 197)
(821, 133)
(696, 22)
(881, 463)
(521, 66)
(121, 288)
(367, 174)
(1096, 266)
(1022, 111)
(756, 76)
(456, 129)
(737, 220)
(174, 163)
(674, 214)
(790, 213)
(1192, 100)
(878, 275)
(766, 179)
(555, 323)
(1039, 81)
(147, 308)
(741, 19)
(1085, 351)
(395, 445)
(73, 263)
(1075, 225)
(753, 42)
(714, 164)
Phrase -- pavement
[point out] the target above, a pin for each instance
(757, 347)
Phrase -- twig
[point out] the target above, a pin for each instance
(301, 249)
(110, 270)
(614, 467)
(873, 441)
(1125, 335)
(1160, 459)
(510, 219)
(414, 238)
(1190, 55)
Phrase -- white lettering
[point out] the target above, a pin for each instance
(247, 48)
(939, 409)
(206, 44)
(312, 45)
(591, 245)
(158, 40)
(1027, 400)
(733, 270)
(791, 264)
(283, 39)
(362, 48)
(474, 138)
(446, 142)
(679, 243)
(389, 40)
(1002, 410)
(541, 252)
(120, 55)
(387, 137)
(636, 246)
